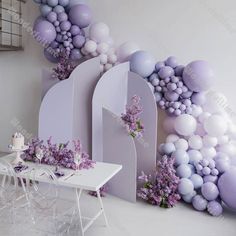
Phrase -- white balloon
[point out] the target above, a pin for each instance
(196, 111)
(99, 32)
(102, 48)
(185, 125)
(112, 58)
(223, 139)
(195, 142)
(209, 141)
(125, 50)
(181, 144)
(194, 156)
(108, 67)
(208, 153)
(228, 148)
(90, 46)
(171, 138)
(204, 116)
(103, 59)
(215, 126)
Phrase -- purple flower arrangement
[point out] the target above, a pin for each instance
(57, 154)
(132, 119)
(64, 67)
(161, 189)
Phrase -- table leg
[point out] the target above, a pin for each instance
(102, 207)
(78, 196)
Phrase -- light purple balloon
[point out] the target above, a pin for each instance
(222, 165)
(78, 41)
(199, 203)
(44, 31)
(172, 62)
(179, 70)
(184, 171)
(171, 96)
(80, 15)
(214, 208)
(199, 98)
(75, 30)
(58, 9)
(52, 17)
(210, 178)
(210, 191)
(54, 45)
(185, 186)
(45, 10)
(197, 181)
(65, 25)
(75, 54)
(142, 63)
(227, 188)
(159, 65)
(52, 3)
(59, 38)
(198, 76)
(165, 72)
(64, 3)
(62, 17)
(50, 56)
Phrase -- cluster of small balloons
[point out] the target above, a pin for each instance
(99, 43)
(204, 149)
(177, 89)
(61, 27)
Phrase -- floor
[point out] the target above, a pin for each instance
(127, 219)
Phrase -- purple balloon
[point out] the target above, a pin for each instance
(75, 54)
(80, 15)
(214, 208)
(75, 30)
(52, 17)
(44, 31)
(58, 9)
(199, 203)
(52, 3)
(142, 63)
(64, 3)
(54, 44)
(50, 56)
(65, 25)
(165, 72)
(171, 96)
(179, 70)
(210, 191)
(45, 10)
(199, 98)
(159, 65)
(172, 62)
(227, 187)
(210, 178)
(198, 76)
(62, 17)
(59, 38)
(78, 41)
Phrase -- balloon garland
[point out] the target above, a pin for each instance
(201, 136)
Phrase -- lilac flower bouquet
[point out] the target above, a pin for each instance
(57, 154)
(64, 67)
(132, 119)
(161, 189)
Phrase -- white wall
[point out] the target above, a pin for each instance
(187, 29)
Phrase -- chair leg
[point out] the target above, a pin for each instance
(78, 196)
(102, 207)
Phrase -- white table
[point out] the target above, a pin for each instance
(92, 180)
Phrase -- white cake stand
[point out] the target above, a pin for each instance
(18, 152)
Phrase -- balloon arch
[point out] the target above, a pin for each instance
(201, 134)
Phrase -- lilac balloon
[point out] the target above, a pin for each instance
(210, 191)
(171, 96)
(199, 203)
(59, 38)
(142, 63)
(159, 65)
(65, 25)
(227, 188)
(52, 3)
(44, 31)
(188, 198)
(58, 9)
(185, 186)
(198, 76)
(75, 54)
(45, 10)
(210, 178)
(165, 72)
(199, 98)
(183, 171)
(50, 56)
(80, 15)
(75, 30)
(179, 70)
(222, 165)
(78, 41)
(197, 181)
(54, 44)
(172, 62)
(214, 208)
(64, 3)
(52, 17)
(62, 17)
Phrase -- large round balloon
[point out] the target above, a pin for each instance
(185, 124)
(80, 15)
(44, 31)
(198, 76)
(142, 63)
(125, 50)
(227, 188)
(99, 32)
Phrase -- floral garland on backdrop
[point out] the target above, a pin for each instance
(201, 135)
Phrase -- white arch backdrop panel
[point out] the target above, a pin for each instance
(66, 109)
